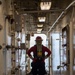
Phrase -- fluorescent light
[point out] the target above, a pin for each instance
(45, 5)
(39, 30)
(41, 19)
(40, 25)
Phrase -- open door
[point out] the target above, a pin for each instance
(65, 61)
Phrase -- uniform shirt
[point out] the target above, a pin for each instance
(34, 50)
(39, 52)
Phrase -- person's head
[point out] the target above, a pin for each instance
(38, 40)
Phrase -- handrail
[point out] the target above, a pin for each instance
(61, 15)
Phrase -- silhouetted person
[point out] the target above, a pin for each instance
(38, 63)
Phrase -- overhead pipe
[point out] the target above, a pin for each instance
(41, 11)
(61, 15)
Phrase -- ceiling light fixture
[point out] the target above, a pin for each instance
(39, 30)
(39, 25)
(45, 5)
(41, 19)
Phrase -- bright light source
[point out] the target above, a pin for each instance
(40, 25)
(39, 30)
(45, 5)
(41, 19)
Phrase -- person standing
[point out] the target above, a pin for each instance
(38, 58)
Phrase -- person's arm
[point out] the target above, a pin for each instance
(48, 52)
(29, 52)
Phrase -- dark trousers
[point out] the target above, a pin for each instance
(38, 68)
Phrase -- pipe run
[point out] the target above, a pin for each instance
(61, 15)
(40, 11)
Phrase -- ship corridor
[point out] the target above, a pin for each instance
(21, 21)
